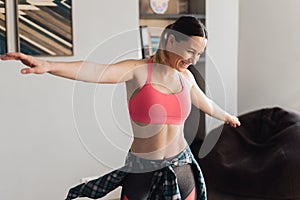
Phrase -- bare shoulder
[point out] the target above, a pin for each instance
(188, 76)
(128, 68)
(134, 70)
(130, 63)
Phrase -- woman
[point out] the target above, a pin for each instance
(160, 91)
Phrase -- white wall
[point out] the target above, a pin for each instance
(52, 129)
(269, 46)
(222, 55)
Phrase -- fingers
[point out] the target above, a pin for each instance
(28, 71)
(234, 122)
(25, 59)
(33, 64)
(13, 56)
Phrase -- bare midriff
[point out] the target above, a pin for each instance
(157, 142)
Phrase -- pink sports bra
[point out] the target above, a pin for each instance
(151, 106)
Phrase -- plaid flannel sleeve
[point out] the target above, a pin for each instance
(98, 187)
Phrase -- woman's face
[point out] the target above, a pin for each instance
(186, 52)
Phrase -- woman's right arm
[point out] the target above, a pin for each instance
(78, 70)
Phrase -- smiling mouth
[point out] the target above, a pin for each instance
(184, 64)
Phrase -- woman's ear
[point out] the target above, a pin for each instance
(170, 41)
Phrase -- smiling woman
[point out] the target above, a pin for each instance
(3, 41)
(45, 27)
(160, 91)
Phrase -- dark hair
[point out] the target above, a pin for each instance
(187, 25)
(183, 28)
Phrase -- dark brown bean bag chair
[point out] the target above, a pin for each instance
(258, 160)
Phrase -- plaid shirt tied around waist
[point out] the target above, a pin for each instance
(164, 183)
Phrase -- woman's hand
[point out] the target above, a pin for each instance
(232, 121)
(36, 66)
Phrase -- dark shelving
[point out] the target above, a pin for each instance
(168, 16)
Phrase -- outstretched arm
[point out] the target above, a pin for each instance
(78, 70)
(202, 102)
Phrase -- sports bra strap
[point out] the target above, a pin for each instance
(181, 80)
(149, 71)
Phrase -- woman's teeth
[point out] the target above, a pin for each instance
(184, 65)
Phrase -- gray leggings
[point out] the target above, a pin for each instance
(136, 186)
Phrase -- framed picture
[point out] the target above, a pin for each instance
(3, 29)
(44, 28)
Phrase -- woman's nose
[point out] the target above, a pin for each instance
(193, 60)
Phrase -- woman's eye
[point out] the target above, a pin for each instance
(191, 52)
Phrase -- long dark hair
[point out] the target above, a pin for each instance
(183, 28)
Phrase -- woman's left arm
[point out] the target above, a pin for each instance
(202, 102)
